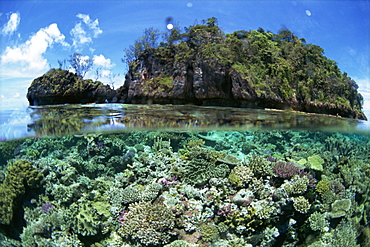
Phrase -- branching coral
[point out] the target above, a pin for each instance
(318, 222)
(297, 185)
(301, 204)
(150, 224)
(259, 166)
(202, 166)
(285, 170)
(240, 175)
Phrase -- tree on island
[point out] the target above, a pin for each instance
(81, 64)
(256, 67)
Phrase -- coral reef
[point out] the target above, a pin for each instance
(147, 189)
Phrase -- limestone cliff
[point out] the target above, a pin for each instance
(154, 78)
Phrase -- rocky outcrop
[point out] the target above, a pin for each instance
(59, 86)
(154, 78)
(152, 81)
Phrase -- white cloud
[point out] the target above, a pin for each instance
(85, 30)
(11, 26)
(105, 73)
(28, 56)
(102, 61)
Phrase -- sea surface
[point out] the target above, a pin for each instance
(165, 175)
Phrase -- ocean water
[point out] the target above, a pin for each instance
(154, 175)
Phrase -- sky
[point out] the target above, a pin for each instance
(36, 34)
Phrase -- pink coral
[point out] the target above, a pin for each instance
(285, 170)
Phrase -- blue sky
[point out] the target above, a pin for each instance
(35, 34)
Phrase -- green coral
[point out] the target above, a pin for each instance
(260, 166)
(7, 150)
(339, 208)
(150, 224)
(323, 186)
(88, 218)
(316, 162)
(301, 204)
(161, 146)
(180, 243)
(264, 209)
(240, 175)
(344, 235)
(318, 222)
(134, 193)
(297, 185)
(202, 165)
(20, 175)
(209, 232)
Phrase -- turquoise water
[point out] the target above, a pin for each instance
(138, 175)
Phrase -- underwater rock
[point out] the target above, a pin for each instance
(243, 198)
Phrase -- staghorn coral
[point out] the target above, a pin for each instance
(161, 146)
(150, 224)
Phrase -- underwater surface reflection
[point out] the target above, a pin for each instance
(64, 119)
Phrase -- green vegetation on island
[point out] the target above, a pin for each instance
(271, 70)
(205, 66)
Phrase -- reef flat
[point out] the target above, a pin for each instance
(186, 188)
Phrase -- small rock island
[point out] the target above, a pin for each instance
(204, 66)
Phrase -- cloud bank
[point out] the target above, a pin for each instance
(28, 56)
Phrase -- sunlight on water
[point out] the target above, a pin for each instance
(65, 119)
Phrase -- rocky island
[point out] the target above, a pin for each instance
(204, 66)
